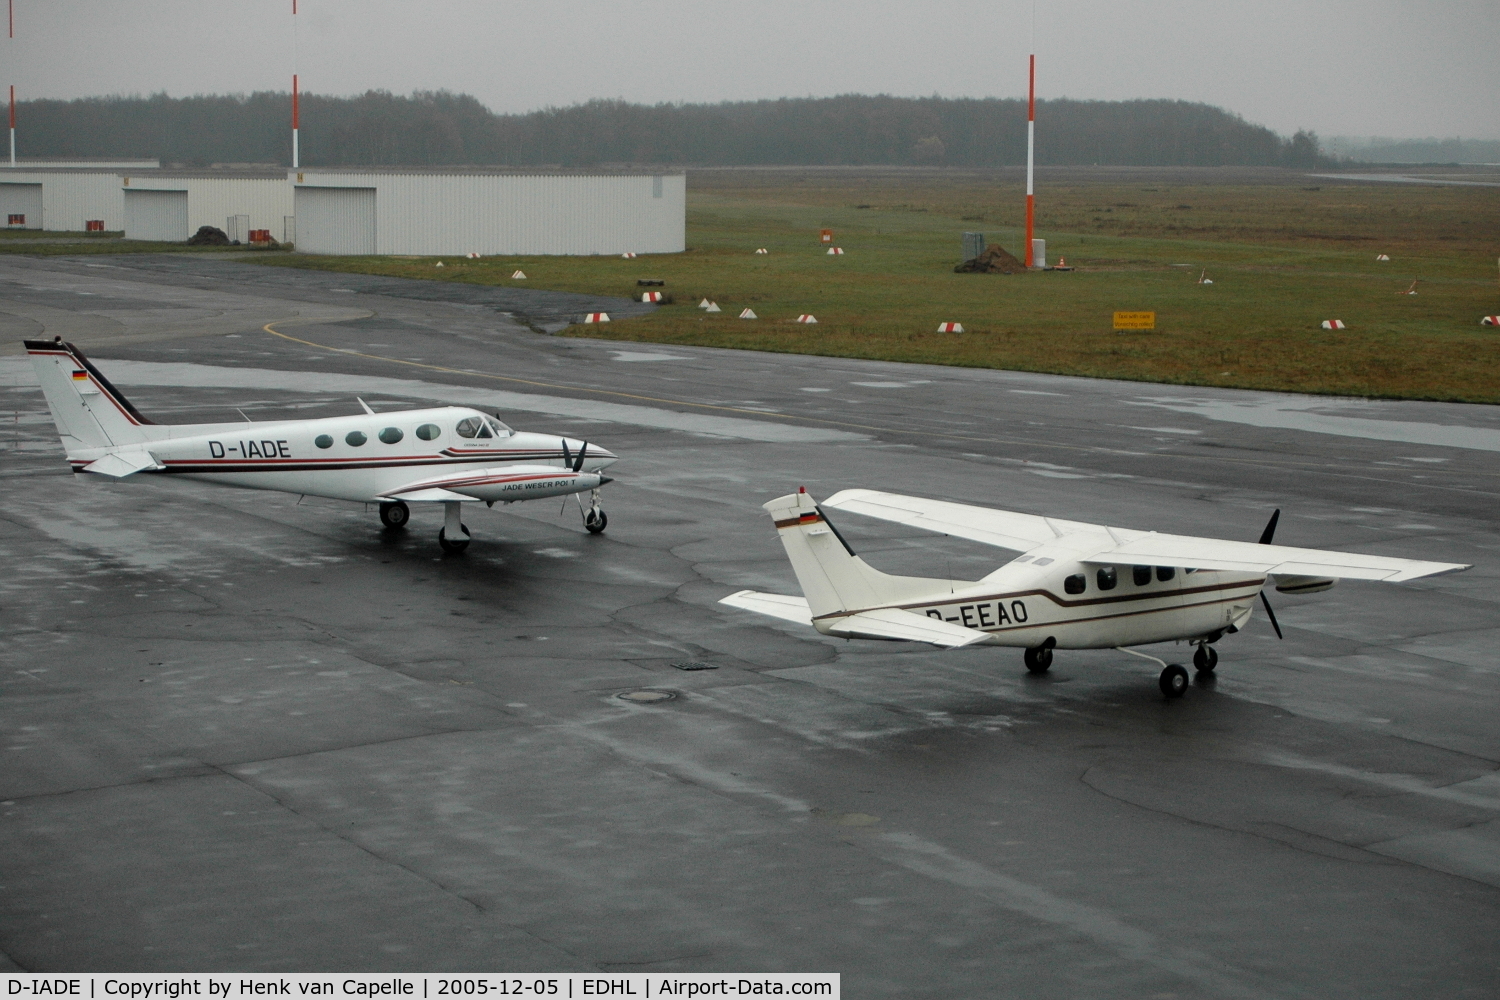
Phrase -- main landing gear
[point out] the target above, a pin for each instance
(1205, 658)
(1174, 678)
(395, 515)
(1039, 659)
(453, 537)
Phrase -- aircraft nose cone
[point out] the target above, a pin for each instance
(606, 479)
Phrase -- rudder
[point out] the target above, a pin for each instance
(88, 410)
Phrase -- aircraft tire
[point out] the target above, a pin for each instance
(394, 515)
(595, 521)
(1173, 681)
(454, 546)
(1205, 659)
(1038, 661)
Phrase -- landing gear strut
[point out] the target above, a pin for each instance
(595, 520)
(394, 515)
(1173, 680)
(453, 537)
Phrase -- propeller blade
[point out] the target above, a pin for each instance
(1265, 536)
(1271, 615)
(567, 455)
(578, 465)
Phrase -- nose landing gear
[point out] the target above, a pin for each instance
(595, 520)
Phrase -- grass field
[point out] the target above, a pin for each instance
(1284, 251)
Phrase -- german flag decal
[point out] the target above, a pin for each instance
(810, 517)
(79, 375)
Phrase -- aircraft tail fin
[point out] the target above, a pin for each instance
(832, 577)
(88, 410)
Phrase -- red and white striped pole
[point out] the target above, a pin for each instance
(12, 12)
(1030, 163)
(295, 109)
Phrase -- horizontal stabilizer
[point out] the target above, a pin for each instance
(792, 609)
(120, 464)
(893, 623)
(432, 495)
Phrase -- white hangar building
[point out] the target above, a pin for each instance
(171, 205)
(64, 195)
(430, 211)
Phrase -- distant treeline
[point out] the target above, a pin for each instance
(438, 129)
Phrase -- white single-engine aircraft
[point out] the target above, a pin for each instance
(1074, 586)
(384, 458)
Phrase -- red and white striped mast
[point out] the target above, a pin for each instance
(1031, 145)
(12, 11)
(295, 109)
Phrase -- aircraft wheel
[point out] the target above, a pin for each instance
(1205, 658)
(595, 521)
(1038, 660)
(454, 545)
(1174, 681)
(394, 515)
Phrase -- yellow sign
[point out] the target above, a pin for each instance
(1135, 321)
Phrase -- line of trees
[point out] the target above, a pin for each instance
(446, 129)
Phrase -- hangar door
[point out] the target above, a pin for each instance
(335, 220)
(21, 205)
(156, 215)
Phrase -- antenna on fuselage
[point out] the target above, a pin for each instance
(363, 404)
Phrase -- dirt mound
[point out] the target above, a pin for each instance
(994, 260)
(209, 236)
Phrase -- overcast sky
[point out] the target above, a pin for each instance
(1402, 68)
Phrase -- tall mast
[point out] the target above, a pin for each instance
(296, 160)
(12, 11)
(1031, 144)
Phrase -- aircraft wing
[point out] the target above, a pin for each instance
(1003, 528)
(1020, 532)
(893, 623)
(120, 464)
(1152, 549)
(792, 609)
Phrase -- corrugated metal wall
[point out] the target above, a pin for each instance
(156, 215)
(504, 214)
(21, 199)
(212, 200)
(69, 199)
(336, 220)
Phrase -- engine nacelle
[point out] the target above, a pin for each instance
(1303, 584)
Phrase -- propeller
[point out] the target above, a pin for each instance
(576, 464)
(1265, 539)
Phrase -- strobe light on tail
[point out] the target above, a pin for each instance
(448, 455)
(1073, 586)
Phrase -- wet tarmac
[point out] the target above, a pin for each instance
(255, 732)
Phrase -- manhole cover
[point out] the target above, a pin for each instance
(646, 697)
(695, 665)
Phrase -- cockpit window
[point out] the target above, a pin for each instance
(473, 427)
(499, 428)
(1075, 583)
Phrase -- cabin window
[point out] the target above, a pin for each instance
(1044, 560)
(391, 435)
(1075, 583)
(1021, 559)
(1141, 575)
(429, 432)
(355, 438)
(323, 440)
(1105, 575)
(1165, 573)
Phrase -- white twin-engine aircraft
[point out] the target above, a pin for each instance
(1075, 585)
(373, 457)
